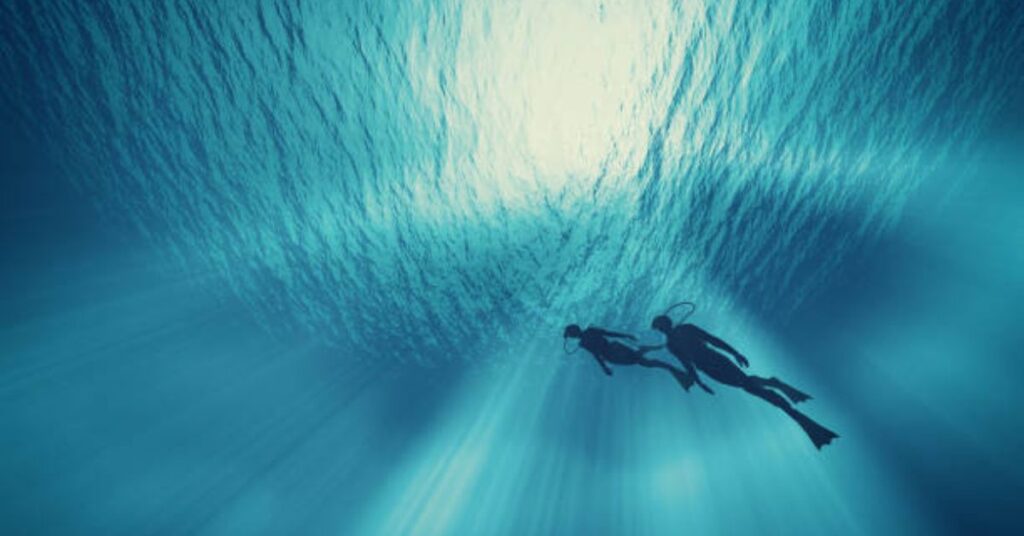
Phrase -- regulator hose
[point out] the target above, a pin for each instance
(693, 309)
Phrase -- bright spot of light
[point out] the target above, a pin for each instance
(677, 480)
(577, 81)
(546, 94)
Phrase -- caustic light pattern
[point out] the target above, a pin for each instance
(348, 235)
(444, 168)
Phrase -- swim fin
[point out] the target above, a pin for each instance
(818, 434)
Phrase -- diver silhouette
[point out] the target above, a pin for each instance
(697, 349)
(595, 341)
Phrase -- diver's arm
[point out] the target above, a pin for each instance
(605, 333)
(740, 359)
(604, 366)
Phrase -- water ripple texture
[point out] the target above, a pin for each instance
(442, 169)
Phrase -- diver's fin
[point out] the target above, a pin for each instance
(684, 379)
(792, 393)
(818, 434)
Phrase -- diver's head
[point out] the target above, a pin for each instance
(662, 323)
(572, 330)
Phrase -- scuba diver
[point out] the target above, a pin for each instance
(697, 349)
(595, 341)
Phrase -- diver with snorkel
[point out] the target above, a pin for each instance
(697, 349)
(595, 341)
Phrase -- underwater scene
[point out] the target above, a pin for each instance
(511, 267)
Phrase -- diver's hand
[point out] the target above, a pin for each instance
(607, 372)
(705, 387)
(742, 361)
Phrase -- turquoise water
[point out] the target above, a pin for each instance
(303, 267)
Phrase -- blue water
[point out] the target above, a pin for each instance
(303, 267)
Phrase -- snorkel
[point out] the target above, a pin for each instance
(693, 309)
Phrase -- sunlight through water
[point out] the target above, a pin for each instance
(450, 167)
(293, 267)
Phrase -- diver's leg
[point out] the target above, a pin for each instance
(791, 392)
(655, 363)
(684, 379)
(818, 434)
(755, 388)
